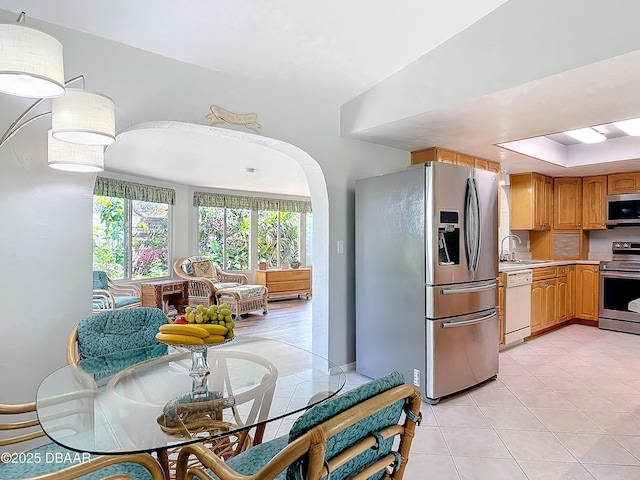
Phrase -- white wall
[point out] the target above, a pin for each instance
(45, 224)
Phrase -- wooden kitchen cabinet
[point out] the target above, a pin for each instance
(465, 160)
(623, 183)
(562, 305)
(594, 191)
(438, 154)
(531, 201)
(571, 291)
(285, 281)
(544, 297)
(551, 296)
(538, 309)
(587, 283)
(567, 203)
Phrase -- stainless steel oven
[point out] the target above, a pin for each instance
(620, 289)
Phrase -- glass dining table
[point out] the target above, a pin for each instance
(156, 398)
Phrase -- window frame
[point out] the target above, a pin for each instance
(253, 236)
(128, 192)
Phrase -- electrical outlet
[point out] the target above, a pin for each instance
(340, 246)
(416, 377)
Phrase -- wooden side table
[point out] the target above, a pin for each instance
(285, 281)
(163, 293)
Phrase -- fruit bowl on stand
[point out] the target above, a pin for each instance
(199, 410)
(198, 330)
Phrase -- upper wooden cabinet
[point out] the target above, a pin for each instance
(594, 191)
(531, 202)
(567, 203)
(624, 183)
(438, 154)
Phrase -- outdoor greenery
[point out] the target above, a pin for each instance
(131, 238)
(268, 236)
(211, 236)
(236, 254)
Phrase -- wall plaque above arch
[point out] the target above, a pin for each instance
(220, 115)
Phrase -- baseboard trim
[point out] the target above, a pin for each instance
(576, 321)
(348, 367)
(581, 321)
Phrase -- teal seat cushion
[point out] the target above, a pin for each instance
(257, 457)
(118, 330)
(126, 300)
(51, 458)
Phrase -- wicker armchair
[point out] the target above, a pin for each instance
(219, 286)
(108, 295)
(53, 461)
(349, 436)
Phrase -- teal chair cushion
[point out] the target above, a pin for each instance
(117, 330)
(326, 410)
(100, 280)
(51, 458)
(255, 458)
(126, 300)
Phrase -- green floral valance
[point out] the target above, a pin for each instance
(109, 187)
(205, 199)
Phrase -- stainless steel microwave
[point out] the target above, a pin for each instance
(623, 210)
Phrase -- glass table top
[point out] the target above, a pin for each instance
(146, 399)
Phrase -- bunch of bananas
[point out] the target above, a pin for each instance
(193, 334)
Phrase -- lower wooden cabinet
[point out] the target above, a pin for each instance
(562, 299)
(571, 291)
(552, 296)
(587, 283)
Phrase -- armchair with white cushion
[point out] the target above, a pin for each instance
(210, 285)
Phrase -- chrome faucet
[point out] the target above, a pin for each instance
(502, 256)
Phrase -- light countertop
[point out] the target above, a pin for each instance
(512, 267)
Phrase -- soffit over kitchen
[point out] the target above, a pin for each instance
(527, 69)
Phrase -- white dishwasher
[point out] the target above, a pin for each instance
(517, 305)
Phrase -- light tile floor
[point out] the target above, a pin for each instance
(565, 406)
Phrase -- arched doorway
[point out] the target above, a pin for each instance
(181, 153)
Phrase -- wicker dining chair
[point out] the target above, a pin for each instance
(351, 436)
(50, 460)
(115, 330)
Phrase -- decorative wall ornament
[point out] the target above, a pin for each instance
(220, 115)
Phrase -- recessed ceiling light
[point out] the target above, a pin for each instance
(586, 135)
(630, 127)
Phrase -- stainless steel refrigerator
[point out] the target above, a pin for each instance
(426, 270)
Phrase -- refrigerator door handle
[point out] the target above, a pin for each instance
(479, 288)
(468, 322)
(473, 223)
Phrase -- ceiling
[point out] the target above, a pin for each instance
(340, 50)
